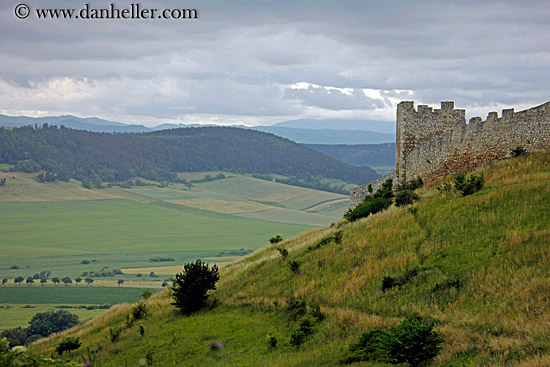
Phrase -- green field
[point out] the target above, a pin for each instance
(56, 226)
(18, 304)
(19, 315)
(85, 295)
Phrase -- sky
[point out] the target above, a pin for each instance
(259, 62)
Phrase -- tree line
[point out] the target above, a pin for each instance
(61, 153)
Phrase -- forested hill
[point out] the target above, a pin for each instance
(79, 154)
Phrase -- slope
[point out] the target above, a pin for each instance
(159, 155)
(477, 264)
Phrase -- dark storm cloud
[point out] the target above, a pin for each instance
(244, 59)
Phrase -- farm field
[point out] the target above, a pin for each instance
(70, 231)
(19, 315)
(18, 304)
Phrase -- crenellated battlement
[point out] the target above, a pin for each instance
(432, 143)
(414, 127)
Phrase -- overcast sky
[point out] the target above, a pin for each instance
(259, 62)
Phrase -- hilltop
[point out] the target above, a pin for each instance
(159, 155)
(477, 265)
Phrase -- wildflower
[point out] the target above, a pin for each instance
(142, 362)
(443, 196)
(87, 364)
(216, 345)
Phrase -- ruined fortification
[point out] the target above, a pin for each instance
(433, 143)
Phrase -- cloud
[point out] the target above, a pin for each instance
(241, 61)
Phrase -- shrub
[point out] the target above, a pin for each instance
(296, 308)
(366, 208)
(518, 152)
(411, 185)
(146, 294)
(293, 266)
(275, 239)
(190, 287)
(283, 252)
(408, 275)
(444, 187)
(315, 311)
(406, 197)
(140, 311)
(305, 328)
(68, 344)
(114, 334)
(468, 185)
(46, 323)
(413, 341)
(271, 341)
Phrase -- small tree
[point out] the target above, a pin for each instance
(19, 279)
(146, 294)
(46, 323)
(4, 281)
(276, 239)
(68, 344)
(30, 280)
(78, 280)
(119, 282)
(66, 280)
(43, 280)
(89, 281)
(55, 280)
(190, 287)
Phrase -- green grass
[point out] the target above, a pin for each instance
(19, 315)
(31, 229)
(494, 243)
(85, 295)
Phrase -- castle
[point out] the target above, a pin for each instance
(433, 143)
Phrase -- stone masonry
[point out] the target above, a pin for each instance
(434, 143)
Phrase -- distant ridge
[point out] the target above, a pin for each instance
(301, 131)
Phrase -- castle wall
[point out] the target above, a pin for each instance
(357, 195)
(434, 143)
(472, 145)
(415, 127)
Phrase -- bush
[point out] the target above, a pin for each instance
(305, 328)
(46, 323)
(296, 308)
(190, 287)
(139, 311)
(271, 341)
(146, 294)
(293, 266)
(283, 252)
(468, 185)
(413, 341)
(275, 239)
(68, 344)
(366, 208)
(518, 152)
(406, 197)
(114, 334)
(408, 275)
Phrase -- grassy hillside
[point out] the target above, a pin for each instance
(481, 271)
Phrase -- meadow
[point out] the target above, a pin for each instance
(68, 230)
(476, 265)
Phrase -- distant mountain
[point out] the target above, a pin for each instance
(327, 136)
(385, 127)
(359, 155)
(104, 157)
(300, 131)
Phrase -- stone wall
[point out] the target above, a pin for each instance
(434, 143)
(469, 146)
(357, 195)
